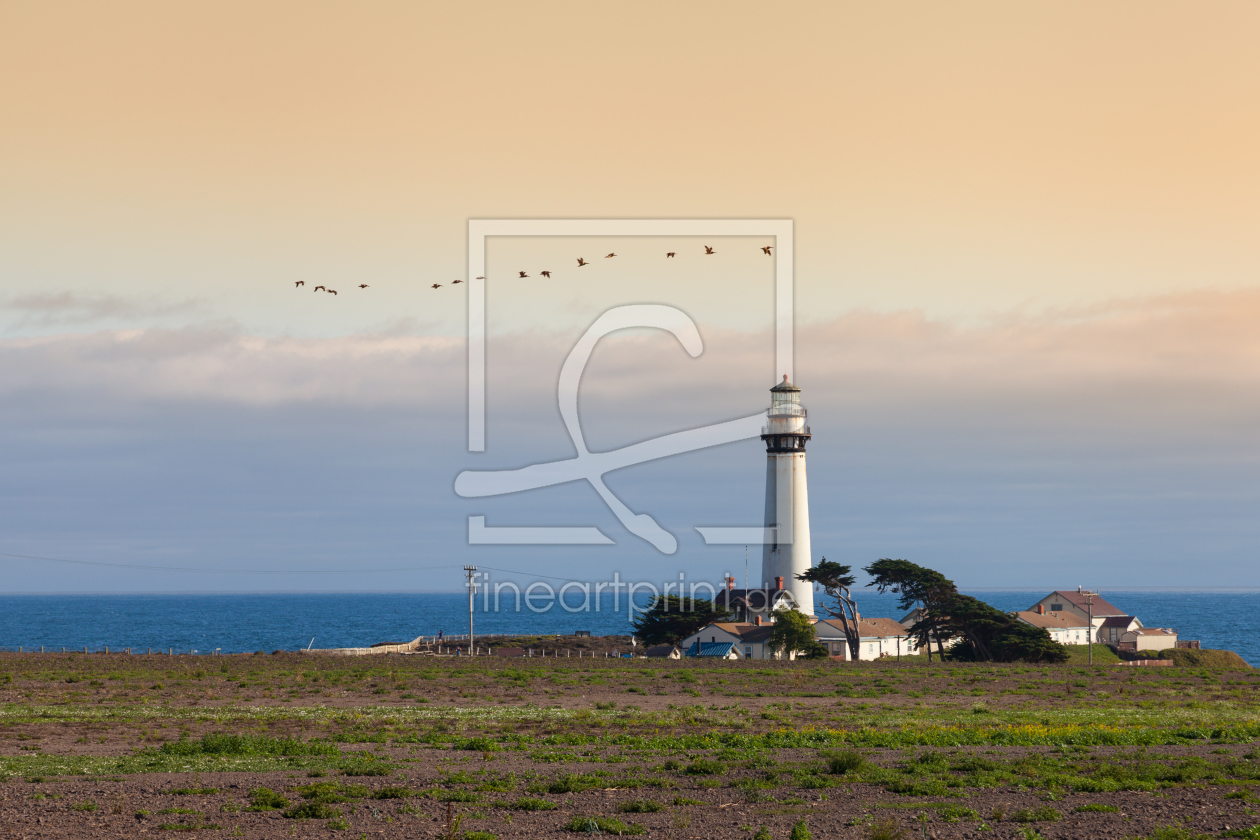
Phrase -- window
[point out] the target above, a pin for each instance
(1056, 608)
(748, 651)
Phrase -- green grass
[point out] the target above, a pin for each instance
(221, 744)
(604, 825)
(266, 799)
(312, 811)
(1079, 655)
(640, 806)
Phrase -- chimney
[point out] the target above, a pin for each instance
(1041, 609)
(778, 582)
(757, 621)
(730, 583)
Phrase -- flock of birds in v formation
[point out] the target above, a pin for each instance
(581, 262)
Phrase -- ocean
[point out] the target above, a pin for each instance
(235, 623)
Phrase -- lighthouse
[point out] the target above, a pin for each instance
(786, 551)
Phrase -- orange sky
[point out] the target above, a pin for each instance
(965, 160)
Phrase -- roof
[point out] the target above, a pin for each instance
(748, 633)
(1154, 631)
(1118, 621)
(1051, 621)
(785, 385)
(718, 649)
(662, 651)
(877, 628)
(1078, 600)
(733, 599)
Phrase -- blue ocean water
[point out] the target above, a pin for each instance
(235, 623)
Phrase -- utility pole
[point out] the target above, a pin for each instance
(1089, 602)
(472, 590)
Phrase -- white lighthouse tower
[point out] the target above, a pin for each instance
(786, 552)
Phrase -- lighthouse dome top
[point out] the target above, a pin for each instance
(785, 385)
(785, 400)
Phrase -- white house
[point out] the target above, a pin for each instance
(1148, 638)
(1064, 628)
(911, 618)
(880, 638)
(750, 640)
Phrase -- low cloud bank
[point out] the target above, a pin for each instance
(1114, 442)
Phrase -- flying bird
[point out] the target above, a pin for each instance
(481, 278)
(299, 283)
(582, 262)
(363, 285)
(708, 250)
(453, 282)
(606, 256)
(523, 274)
(669, 254)
(317, 288)
(545, 273)
(331, 291)
(437, 285)
(766, 248)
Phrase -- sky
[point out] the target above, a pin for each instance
(1025, 257)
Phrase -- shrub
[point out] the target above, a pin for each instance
(393, 793)
(266, 799)
(763, 833)
(640, 806)
(846, 762)
(705, 767)
(480, 835)
(800, 831)
(885, 829)
(370, 767)
(312, 811)
(602, 825)
(682, 800)
(1096, 809)
(457, 796)
(1043, 814)
(571, 784)
(957, 813)
(531, 804)
(85, 805)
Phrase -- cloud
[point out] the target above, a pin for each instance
(1118, 438)
(66, 308)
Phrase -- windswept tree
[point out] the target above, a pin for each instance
(983, 632)
(917, 586)
(835, 581)
(793, 632)
(672, 618)
(990, 635)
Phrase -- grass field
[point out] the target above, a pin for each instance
(402, 745)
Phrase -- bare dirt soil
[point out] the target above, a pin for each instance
(404, 746)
